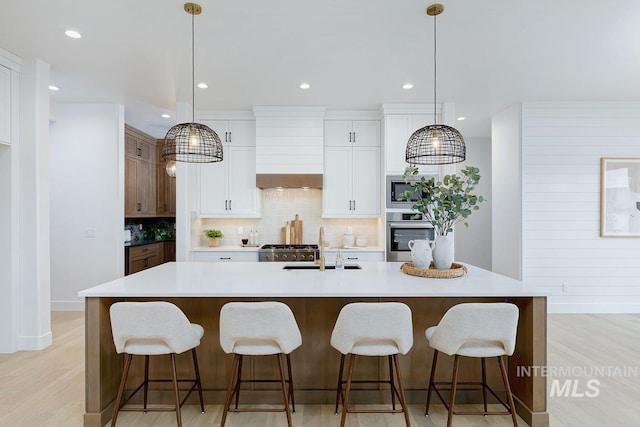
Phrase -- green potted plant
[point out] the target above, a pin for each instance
(444, 204)
(214, 236)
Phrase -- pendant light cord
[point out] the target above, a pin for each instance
(193, 69)
(435, 45)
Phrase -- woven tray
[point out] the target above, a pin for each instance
(456, 270)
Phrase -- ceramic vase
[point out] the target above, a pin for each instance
(421, 252)
(443, 252)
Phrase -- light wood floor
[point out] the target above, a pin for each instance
(46, 388)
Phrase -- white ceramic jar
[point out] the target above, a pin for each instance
(361, 241)
(348, 239)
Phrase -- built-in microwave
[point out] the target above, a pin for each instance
(396, 186)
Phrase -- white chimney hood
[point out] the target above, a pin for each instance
(289, 146)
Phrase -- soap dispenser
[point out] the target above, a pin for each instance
(339, 261)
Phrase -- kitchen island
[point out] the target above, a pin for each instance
(200, 290)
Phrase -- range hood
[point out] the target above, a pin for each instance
(289, 146)
(288, 180)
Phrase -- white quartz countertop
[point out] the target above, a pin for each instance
(238, 248)
(268, 279)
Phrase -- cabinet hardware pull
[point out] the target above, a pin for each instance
(354, 205)
(226, 257)
(354, 137)
(139, 206)
(226, 204)
(229, 136)
(229, 204)
(349, 204)
(139, 152)
(353, 257)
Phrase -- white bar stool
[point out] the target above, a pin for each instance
(257, 329)
(474, 330)
(372, 329)
(154, 328)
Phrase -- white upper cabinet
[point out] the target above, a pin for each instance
(228, 188)
(352, 169)
(397, 130)
(5, 105)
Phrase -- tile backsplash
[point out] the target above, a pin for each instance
(280, 206)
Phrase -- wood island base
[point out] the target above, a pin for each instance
(315, 364)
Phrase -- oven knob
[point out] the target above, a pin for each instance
(275, 257)
(293, 257)
(266, 257)
(284, 256)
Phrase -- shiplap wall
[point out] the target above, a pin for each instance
(562, 143)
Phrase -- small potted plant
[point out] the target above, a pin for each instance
(444, 204)
(214, 236)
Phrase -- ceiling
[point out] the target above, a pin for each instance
(355, 54)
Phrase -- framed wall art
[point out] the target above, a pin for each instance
(620, 197)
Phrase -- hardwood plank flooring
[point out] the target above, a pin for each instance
(46, 388)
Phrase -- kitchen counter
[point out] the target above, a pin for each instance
(269, 279)
(145, 242)
(200, 289)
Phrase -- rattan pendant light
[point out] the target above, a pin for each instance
(192, 142)
(435, 144)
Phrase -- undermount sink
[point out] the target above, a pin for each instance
(317, 267)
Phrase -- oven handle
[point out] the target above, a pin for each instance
(415, 224)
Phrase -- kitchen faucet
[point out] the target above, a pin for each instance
(320, 259)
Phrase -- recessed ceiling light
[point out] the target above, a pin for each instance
(54, 88)
(461, 118)
(73, 34)
(407, 86)
(203, 85)
(304, 86)
(166, 116)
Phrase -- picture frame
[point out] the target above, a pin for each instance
(620, 197)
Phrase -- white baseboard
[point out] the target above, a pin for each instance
(600, 308)
(67, 305)
(36, 342)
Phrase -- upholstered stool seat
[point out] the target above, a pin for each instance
(372, 329)
(478, 330)
(150, 329)
(257, 329)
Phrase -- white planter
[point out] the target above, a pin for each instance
(443, 252)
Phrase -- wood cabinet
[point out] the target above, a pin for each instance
(143, 257)
(397, 130)
(139, 173)
(228, 188)
(5, 105)
(138, 258)
(165, 186)
(352, 172)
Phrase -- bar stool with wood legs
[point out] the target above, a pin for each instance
(149, 329)
(258, 328)
(372, 329)
(474, 330)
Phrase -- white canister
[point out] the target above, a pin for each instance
(361, 241)
(348, 239)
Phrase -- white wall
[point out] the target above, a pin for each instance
(473, 243)
(562, 144)
(87, 193)
(506, 192)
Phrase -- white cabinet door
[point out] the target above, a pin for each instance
(366, 133)
(243, 194)
(398, 129)
(212, 188)
(242, 133)
(336, 191)
(5, 105)
(366, 181)
(337, 133)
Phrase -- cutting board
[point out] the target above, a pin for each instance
(296, 231)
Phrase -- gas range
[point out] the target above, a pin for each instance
(288, 253)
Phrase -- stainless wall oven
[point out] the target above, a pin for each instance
(401, 228)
